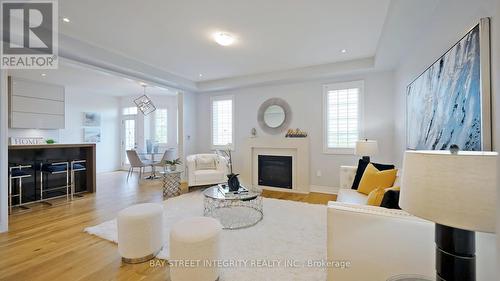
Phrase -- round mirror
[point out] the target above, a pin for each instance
(274, 116)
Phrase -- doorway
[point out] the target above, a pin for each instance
(129, 132)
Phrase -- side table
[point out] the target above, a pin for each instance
(171, 183)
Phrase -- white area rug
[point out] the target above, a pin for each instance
(290, 232)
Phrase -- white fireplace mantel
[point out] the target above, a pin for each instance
(298, 148)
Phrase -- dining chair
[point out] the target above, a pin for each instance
(136, 162)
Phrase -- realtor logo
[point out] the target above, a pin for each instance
(30, 34)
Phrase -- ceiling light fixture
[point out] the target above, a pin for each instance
(343, 51)
(224, 38)
(43, 74)
(201, 75)
(144, 103)
(65, 19)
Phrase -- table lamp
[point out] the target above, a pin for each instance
(170, 154)
(457, 191)
(366, 148)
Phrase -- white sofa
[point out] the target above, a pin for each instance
(348, 195)
(379, 243)
(202, 176)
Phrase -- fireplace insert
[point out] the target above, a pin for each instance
(275, 171)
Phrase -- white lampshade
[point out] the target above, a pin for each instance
(366, 147)
(170, 154)
(457, 190)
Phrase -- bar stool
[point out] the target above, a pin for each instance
(76, 166)
(17, 172)
(54, 169)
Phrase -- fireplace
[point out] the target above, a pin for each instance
(275, 171)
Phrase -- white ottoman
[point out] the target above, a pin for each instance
(140, 232)
(194, 243)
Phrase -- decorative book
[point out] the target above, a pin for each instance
(224, 188)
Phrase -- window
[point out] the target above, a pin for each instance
(222, 121)
(130, 110)
(342, 116)
(160, 129)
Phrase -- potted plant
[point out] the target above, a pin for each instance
(172, 164)
(232, 178)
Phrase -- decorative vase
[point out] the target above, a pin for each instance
(233, 182)
(172, 168)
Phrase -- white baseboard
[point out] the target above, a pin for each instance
(324, 189)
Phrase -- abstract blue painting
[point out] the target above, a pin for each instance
(444, 102)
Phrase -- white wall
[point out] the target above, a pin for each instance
(108, 150)
(496, 113)
(305, 100)
(450, 21)
(77, 102)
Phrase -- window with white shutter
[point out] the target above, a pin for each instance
(342, 116)
(222, 121)
(130, 110)
(161, 125)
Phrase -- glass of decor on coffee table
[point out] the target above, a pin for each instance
(233, 210)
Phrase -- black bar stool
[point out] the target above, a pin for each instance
(18, 172)
(54, 168)
(76, 166)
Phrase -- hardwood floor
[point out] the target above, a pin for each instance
(313, 197)
(49, 243)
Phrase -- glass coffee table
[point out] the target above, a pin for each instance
(234, 211)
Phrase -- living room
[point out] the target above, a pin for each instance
(248, 86)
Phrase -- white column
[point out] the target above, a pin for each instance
(4, 108)
(180, 123)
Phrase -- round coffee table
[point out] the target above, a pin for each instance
(234, 211)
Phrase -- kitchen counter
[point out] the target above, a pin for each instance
(55, 145)
(36, 155)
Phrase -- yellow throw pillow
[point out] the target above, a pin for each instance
(395, 188)
(373, 178)
(375, 197)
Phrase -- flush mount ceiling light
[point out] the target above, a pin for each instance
(43, 74)
(343, 51)
(65, 19)
(224, 38)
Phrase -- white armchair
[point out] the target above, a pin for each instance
(205, 169)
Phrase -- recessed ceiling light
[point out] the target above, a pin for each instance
(224, 38)
(65, 19)
(200, 75)
(343, 51)
(43, 74)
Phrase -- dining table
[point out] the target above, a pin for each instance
(150, 156)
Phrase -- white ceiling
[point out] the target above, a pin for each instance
(89, 80)
(273, 35)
